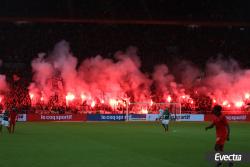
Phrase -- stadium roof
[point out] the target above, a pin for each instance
(205, 10)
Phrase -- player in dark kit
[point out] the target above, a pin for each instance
(13, 118)
(165, 119)
(222, 129)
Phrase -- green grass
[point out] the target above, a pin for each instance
(106, 144)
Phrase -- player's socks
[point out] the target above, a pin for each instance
(12, 129)
(163, 126)
(218, 164)
(9, 130)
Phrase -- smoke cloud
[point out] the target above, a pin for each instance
(102, 79)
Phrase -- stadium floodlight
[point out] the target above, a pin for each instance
(153, 108)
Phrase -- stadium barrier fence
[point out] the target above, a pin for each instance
(106, 117)
(116, 117)
(178, 117)
(137, 117)
(56, 117)
(22, 117)
(122, 117)
(231, 117)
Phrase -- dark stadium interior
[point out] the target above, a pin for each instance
(29, 28)
(124, 9)
(21, 41)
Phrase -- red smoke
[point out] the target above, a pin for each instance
(60, 79)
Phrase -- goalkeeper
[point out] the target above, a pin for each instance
(165, 119)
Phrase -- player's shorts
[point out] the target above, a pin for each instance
(13, 122)
(165, 121)
(5, 123)
(220, 140)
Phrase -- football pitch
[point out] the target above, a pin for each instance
(115, 144)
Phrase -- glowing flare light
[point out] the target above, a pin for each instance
(113, 102)
(83, 97)
(169, 99)
(151, 102)
(92, 104)
(247, 95)
(225, 103)
(31, 96)
(1, 98)
(70, 97)
(239, 104)
(144, 111)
